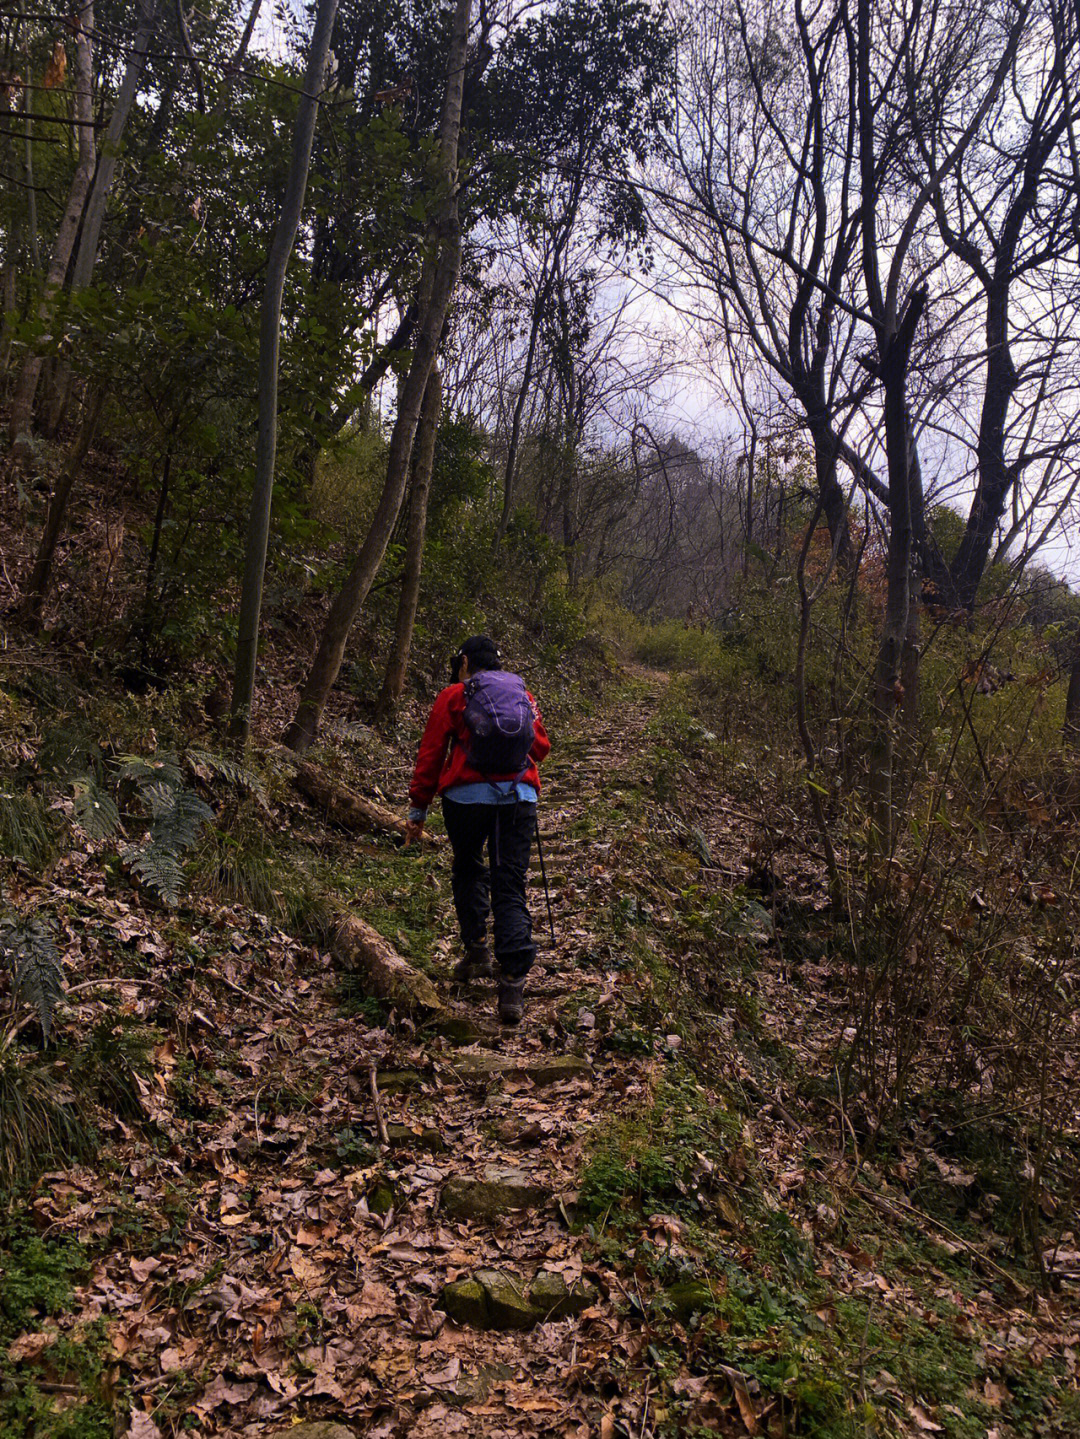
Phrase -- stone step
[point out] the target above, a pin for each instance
(399, 1081)
(496, 1299)
(498, 1190)
(404, 1136)
(318, 1429)
(460, 1031)
(472, 1068)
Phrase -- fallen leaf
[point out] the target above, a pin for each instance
(373, 1301)
(141, 1426)
(29, 1346)
(426, 1319)
(443, 1378)
(222, 1391)
(305, 1269)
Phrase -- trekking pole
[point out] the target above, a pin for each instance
(543, 873)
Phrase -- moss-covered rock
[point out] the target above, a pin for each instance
(480, 1068)
(508, 1305)
(475, 1388)
(458, 1030)
(498, 1190)
(381, 1197)
(686, 1298)
(541, 1069)
(497, 1299)
(466, 1303)
(552, 1298)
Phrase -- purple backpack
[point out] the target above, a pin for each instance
(501, 723)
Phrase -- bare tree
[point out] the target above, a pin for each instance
(760, 205)
(1009, 215)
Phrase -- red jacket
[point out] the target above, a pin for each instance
(436, 770)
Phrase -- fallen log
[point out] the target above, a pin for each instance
(362, 950)
(348, 809)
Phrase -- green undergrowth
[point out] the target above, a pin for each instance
(56, 1387)
(837, 1319)
(675, 1154)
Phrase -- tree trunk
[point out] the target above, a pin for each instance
(911, 655)
(36, 588)
(1071, 732)
(236, 64)
(568, 493)
(90, 238)
(394, 679)
(514, 442)
(22, 405)
(833, 500)
(437, 283)
(258, 532)
(31, 187)
(887, 685)
(748, 524)
(8, 287)
(910, 666)
(350, 811)
(105, 171)
(149, 584)
(361, 949)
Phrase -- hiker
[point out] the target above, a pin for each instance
(480, 751)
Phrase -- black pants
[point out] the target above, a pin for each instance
(499, 890)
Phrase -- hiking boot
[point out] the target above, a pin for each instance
(476, 964)
(511, 999)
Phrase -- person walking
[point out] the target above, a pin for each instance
(480, 752)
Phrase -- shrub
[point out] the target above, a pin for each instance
(27, 831)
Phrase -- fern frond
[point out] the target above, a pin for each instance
(159, 869)
(95, 809)
(31, 955)
(160, 797)
(177, 819)
(230, 770)
(162, 767)
(698, 844)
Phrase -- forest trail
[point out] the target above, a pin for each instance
(285, 1265)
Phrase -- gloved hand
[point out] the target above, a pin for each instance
(414, 825)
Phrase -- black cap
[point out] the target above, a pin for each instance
(482, 653)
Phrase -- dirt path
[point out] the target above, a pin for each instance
(279, 1264)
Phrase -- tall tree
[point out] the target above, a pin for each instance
(86, 251)
(393, 684)
(281, 248)
(22, 404)
(441, 265)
